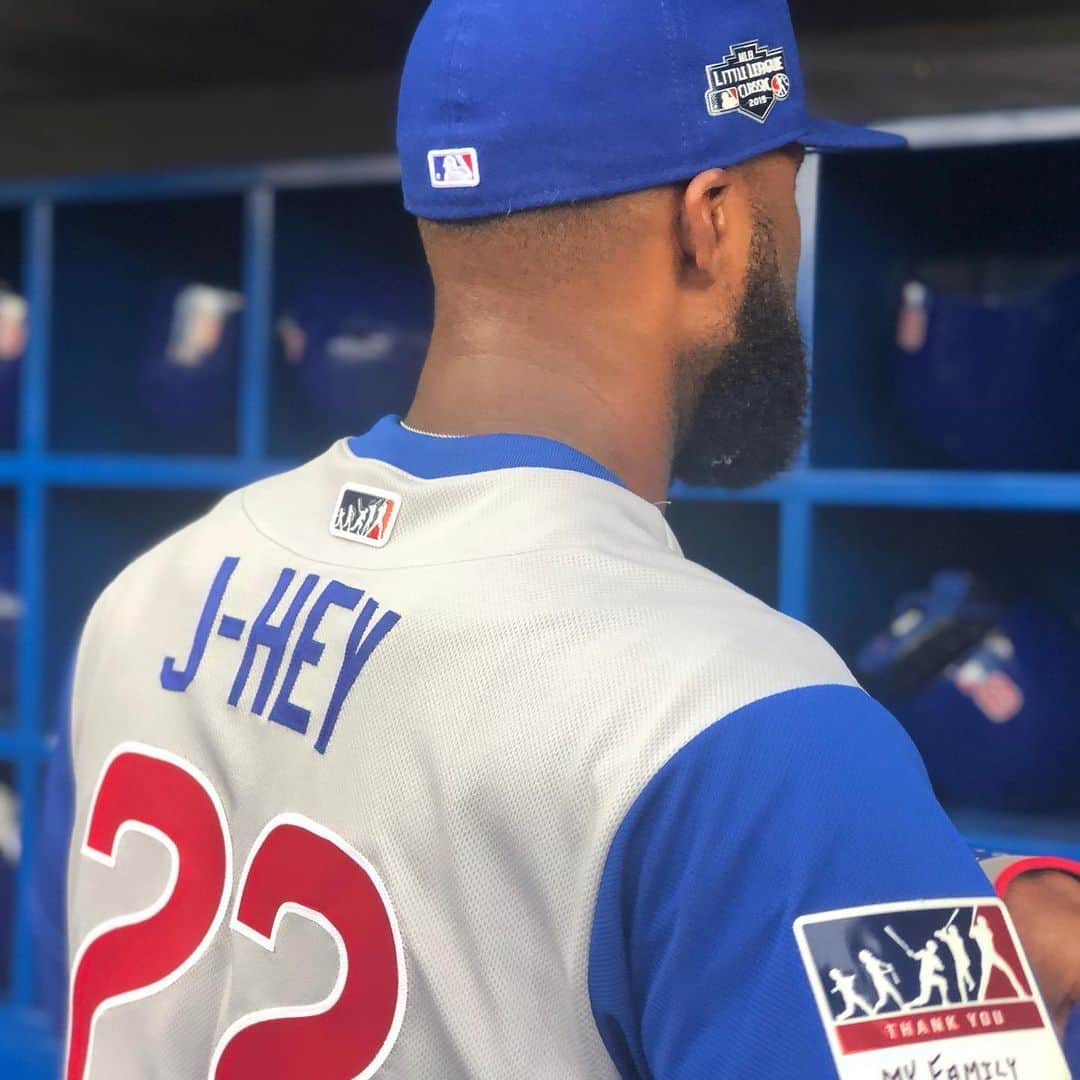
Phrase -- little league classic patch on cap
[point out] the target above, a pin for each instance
(508, 105)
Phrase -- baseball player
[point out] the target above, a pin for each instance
(949, 936)
(510, 789)
(931, 975)
(884, 979)
(844, 985)
(990, 960)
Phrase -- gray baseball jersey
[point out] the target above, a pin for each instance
(436, 758)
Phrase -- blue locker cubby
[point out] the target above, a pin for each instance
(116, 266)
(741, 541)
(324, 238)
(965, 218)
(979, 196)
(865, 557)
(90, 481)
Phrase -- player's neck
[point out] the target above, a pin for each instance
(596, 385)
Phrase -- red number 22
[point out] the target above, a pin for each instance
(346, 1036)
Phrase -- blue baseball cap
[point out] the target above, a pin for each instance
(508, 105)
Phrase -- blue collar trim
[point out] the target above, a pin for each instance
(432, 457)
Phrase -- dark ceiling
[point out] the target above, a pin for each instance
(57, 50)
(68, 49)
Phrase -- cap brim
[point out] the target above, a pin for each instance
(830, 135)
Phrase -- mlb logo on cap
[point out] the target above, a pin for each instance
(454, 168)
(728, 100)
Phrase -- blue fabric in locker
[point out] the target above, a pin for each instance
(996, 381)
(189, 374)
(1025, 759)
(356, 338)
(986, 692)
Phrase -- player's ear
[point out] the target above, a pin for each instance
(703, 223)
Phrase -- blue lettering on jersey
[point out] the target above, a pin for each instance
(362, 643)
(309, 650)
(171, 677)
(272, 637)
(369, 630)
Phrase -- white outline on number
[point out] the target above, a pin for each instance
(319, 1008)
(107, 927)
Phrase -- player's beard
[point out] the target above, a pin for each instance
(752, 394)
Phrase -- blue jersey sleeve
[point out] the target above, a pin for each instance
(808, 802)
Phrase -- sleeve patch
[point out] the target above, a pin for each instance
(927, 989)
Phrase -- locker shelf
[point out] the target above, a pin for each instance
(909, 487)
(1019, 834)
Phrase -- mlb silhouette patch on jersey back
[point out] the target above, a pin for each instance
(365, 515)
(935, 988)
